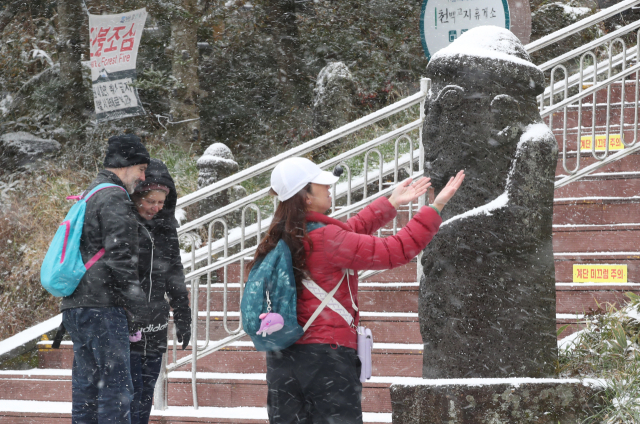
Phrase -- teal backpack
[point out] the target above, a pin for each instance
(272, 286)
(63, 267)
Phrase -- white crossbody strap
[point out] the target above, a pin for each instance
(326, 300)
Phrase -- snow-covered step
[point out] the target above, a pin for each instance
(609, 238)
(630, 163)
(596, 211)
(37, 411)
(384, 296)
(389, 359)
(388, 327)
(606, 185)
(233, 390)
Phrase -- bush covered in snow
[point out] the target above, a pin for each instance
(609, 348)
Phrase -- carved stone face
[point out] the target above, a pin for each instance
(475, 115)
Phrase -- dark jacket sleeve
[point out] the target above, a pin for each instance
(176, 288)
(120, 240)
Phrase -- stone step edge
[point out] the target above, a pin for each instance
(601, 256)
(595, 199)
(256, 378)
(581, 228)
(606, 176)
(238, 413)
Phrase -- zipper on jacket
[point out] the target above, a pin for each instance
(153, 246)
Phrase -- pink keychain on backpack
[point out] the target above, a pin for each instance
(271, 321)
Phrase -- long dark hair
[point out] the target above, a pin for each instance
(288, 224)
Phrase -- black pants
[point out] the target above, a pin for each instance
(144, 374)
(314, 384)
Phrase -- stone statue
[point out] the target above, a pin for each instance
(333, 97)
(215, 164)
(487, 297)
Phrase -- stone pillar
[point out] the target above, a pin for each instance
(487, 297)
(215, 164)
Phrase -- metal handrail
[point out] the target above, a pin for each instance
(248, 252)
(598, 42)
(563, 33)
(589, 91)
(192, 225)
(307, 147)
(598, 68)
(589, 76)
(202, 253)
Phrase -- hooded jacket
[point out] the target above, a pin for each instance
(109, 222)
(160, 268)
(339, 246)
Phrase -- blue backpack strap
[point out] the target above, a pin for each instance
(314, 225)
(101, 187)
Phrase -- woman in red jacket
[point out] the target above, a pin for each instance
(317, 380)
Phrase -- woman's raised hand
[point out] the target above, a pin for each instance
(448, 191)
(406, 192)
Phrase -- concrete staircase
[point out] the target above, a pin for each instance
(231, 382)
(596, 219)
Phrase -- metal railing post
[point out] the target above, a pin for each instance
(195, 288)
(425, 87)
(160, 392)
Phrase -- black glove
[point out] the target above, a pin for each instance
(134, 324)
(183, 333)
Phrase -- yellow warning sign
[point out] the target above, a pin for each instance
(615, 142)
(599, 273)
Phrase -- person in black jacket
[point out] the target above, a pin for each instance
(107, 305)
(161, 272)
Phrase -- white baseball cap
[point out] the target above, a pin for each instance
(293, 174)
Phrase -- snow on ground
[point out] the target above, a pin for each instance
(414, 381)
(172, 411)
(574, 12)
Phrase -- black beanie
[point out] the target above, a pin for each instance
(125, 150)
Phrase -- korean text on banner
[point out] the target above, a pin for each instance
(114, 49)
(615, 142)
(601, 273)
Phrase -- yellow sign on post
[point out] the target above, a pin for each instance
(615, 142)
(599, 273)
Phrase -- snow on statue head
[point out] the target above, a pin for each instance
(487, 298)
(482, 98)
